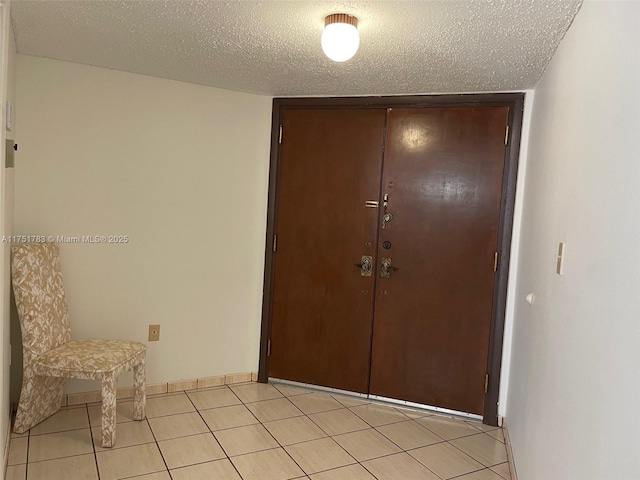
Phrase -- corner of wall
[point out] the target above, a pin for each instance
(515, 248)
(7, 76)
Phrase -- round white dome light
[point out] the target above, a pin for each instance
(340, 39)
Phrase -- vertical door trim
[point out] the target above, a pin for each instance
(505, 230)
(515, 102)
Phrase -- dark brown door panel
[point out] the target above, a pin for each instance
(330, 164)
(443, 177)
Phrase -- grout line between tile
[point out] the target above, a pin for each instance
(26, 468)
(213, 434)
(492, 469)
(93, 442)
(466, 436)
(474, 471)
(276, 440)
(157, 446)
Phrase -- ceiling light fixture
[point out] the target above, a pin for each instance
(340, 39)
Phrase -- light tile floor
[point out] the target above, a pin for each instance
(259, 432)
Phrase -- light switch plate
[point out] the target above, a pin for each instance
(560, 259)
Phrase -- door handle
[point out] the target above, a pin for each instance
(365, 265)
(386, 268)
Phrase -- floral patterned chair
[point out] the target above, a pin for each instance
(49, 354)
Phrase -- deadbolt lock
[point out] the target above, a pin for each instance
(386, 268)
(387, 217)
(365, 265)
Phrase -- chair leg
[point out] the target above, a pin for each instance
(108, 410)
(139, 389)
(40, 398)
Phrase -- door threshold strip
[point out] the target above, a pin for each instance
(421, 406)
(376, 398)
(319, 388)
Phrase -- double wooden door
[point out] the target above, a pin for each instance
(386, 240)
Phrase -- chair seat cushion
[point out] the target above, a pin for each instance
(88, 358)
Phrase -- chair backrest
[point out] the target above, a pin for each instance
(40, 300)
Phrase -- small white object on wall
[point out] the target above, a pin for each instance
(9, 116)
(529, 298)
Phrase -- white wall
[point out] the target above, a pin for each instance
(574, 392)
(181, 170)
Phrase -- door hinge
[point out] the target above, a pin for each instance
(495, 262)
(280, 135)
(268, 348)
(486, 382)
(275, 243)
(506, 135)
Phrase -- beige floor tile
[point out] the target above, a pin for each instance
(445, 460)
(350, 401)
(124, 413)
(294, 430)
(502, 470)
(65, 419)
(218, 470)
(497, 434)
(336, 422)
(174, 426)
(272, 464)
(16, 472)
(350, 472)
(481, 426)
(168, 405)
(290, 390)
(398, 466)
(228, 417)
(481, 475)
(127, 435)
(79, 467)
(409, 435)
(447, 428)
(319, 455)
(377, 415)
(366, 444)
(129, 461)
(184, 451)
(61, 444)
(217, 397)
(154, 476)
(249, 439)
(483, 448)
(18, 435)
(18, 451)
(315, 403)
(277, 409)
(255, 392)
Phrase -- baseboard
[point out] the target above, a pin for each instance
(7, 444)
(160, 388)
(507, 443)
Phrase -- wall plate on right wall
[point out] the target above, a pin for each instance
(560, 258)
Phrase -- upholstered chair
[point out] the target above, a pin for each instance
(50, 355)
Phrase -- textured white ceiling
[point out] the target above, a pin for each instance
(273, 47)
